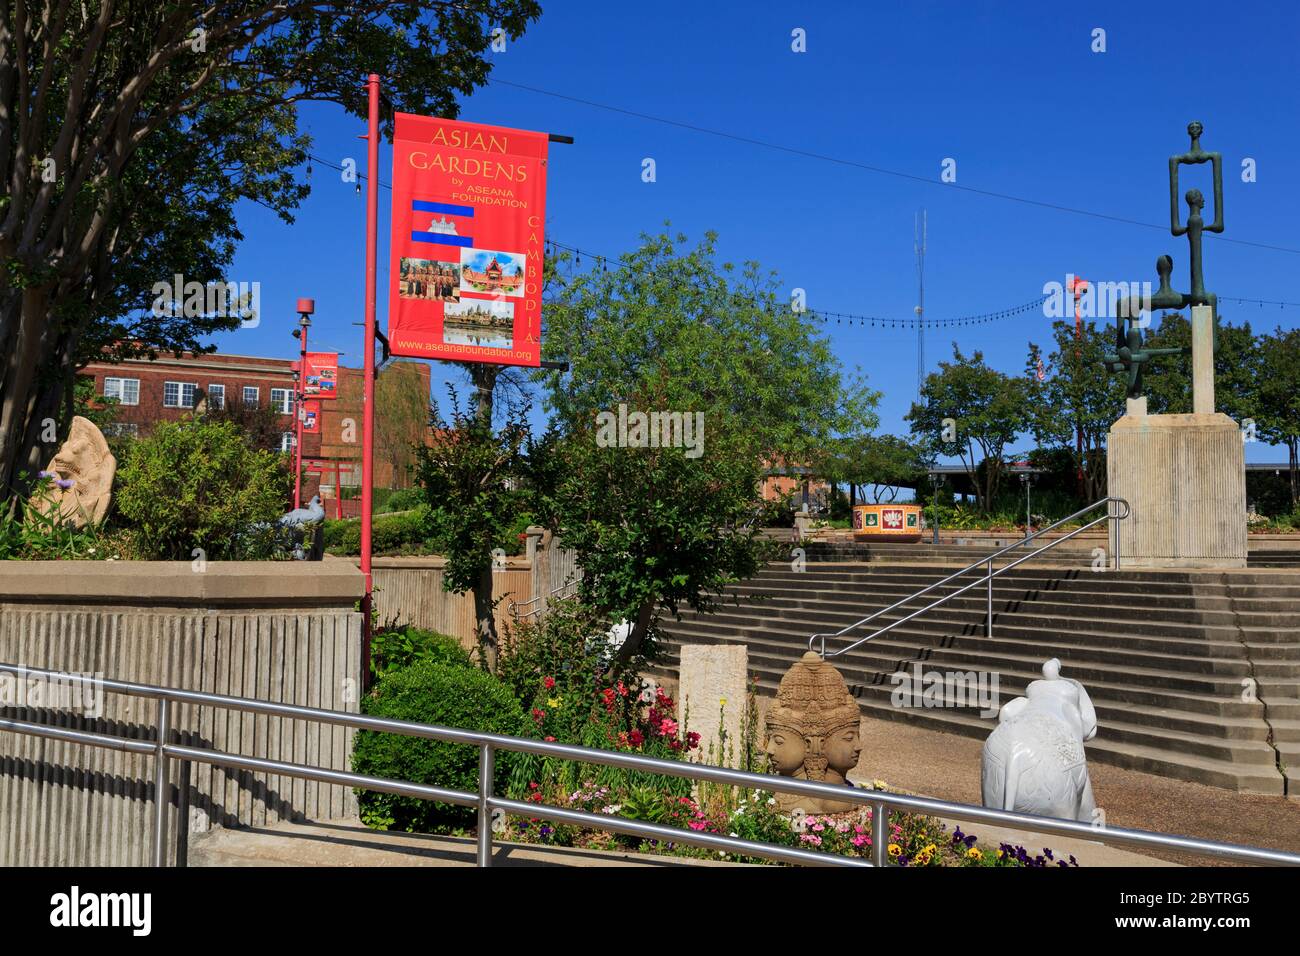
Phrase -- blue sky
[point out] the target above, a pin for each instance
(1013, 92)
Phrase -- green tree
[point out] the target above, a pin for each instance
(130, 131)
(703, 336)
(887, 463)
(471, 477)
(1076, 398)
(1276, 411)
(974, 412)
(677, 333)
(653, 529)
(1167, 381)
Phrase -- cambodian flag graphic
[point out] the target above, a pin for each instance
(443, 228)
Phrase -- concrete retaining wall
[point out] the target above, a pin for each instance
(283, 632)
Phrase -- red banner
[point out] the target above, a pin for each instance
(310, 416)
(321, 379)
(469, 205)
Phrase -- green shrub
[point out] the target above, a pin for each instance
(407, 531)
(403, 499)
(394, 648)
(198, 484)
(429, 692)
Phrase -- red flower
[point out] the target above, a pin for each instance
(636, 738)
(549, 683)
(533, 785)
(622, 691)
(692, 740)
(538, 715)
(549, 740)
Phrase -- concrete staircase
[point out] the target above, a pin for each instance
(1195, 675)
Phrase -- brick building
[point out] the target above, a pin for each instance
(169, 388)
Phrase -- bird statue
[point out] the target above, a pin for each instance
(297, 524)
(299, 517)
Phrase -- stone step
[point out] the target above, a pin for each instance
(1224, 658)
(875, 661)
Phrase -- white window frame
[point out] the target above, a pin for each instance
(180, 390)
(257, 395)
(215, 389)
(287, 442)
(285, 403)
(121, 391)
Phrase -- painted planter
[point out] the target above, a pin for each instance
(887, 522)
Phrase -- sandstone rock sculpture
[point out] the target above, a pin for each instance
(82, 471)
(813, 732)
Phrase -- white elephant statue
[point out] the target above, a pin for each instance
(1033, 762)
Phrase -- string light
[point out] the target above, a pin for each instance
(962, 321)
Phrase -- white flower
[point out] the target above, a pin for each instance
(613, 808)
(771, 801)
(735, 834)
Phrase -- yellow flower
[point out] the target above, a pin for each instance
(895, 850)
(552, 702)
(974, 853)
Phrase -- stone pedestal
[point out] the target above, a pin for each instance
(711, 674)
(1185, 478)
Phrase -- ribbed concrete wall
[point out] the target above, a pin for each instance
(1185, 478)
(74, 805)
(409, 589)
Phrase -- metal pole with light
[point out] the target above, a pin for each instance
(305, 308)
(368, 365)
(1078, 286)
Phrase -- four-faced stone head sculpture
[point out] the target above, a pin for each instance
(813, 731)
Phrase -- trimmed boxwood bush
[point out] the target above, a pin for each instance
(428, 692)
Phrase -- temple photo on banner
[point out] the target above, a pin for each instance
(484, 322)
(483, 270)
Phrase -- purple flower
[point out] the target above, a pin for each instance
(45, 474)
(64, 483)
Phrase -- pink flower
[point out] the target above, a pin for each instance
(668, 727)
(812, 838)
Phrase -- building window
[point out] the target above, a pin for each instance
(252, 395)
(282, 400)
(216, 396)
(121, 429)
(286, 442)
(178, 394)
(125, 390)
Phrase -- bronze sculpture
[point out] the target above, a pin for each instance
(1129, 356)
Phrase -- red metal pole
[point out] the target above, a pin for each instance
(1078, 285)
(368, 350)
(300, 386)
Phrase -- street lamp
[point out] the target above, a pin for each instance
(305, 308)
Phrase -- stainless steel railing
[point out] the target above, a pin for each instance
(539, 603)
(487, 803)
(985, 562)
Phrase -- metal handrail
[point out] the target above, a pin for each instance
(514, 606)
(986, 561)
(487, 803)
